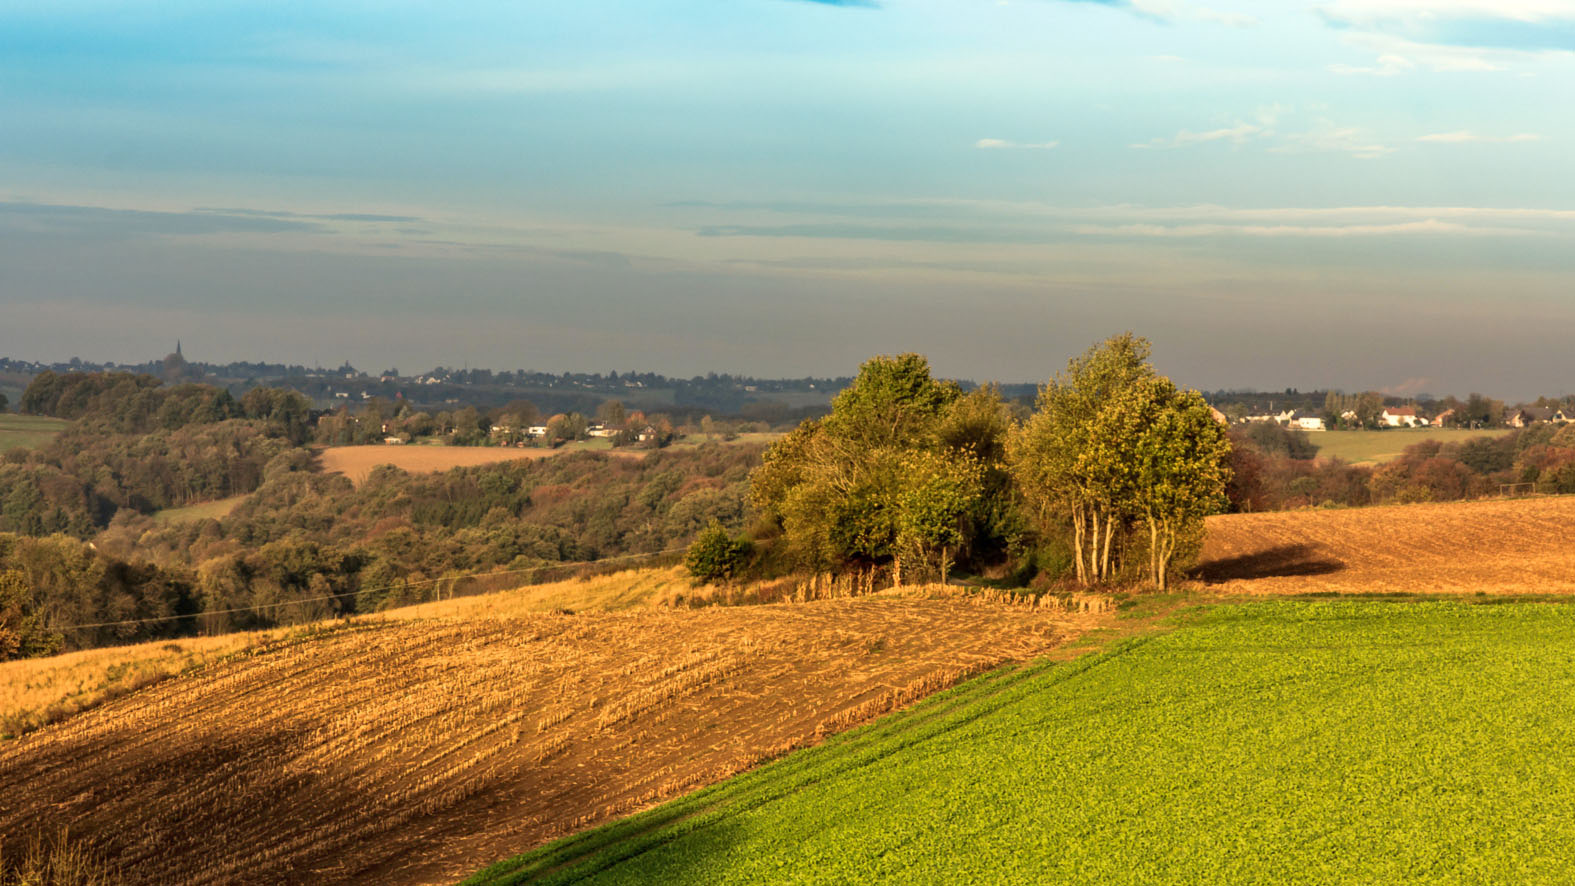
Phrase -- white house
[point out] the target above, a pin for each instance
(1310, 423)
(537, 430)
(1400, 417)
(1286, 417)
(600, 431)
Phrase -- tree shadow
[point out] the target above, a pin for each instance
(1285, 560)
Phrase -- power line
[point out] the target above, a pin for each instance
(410, 584)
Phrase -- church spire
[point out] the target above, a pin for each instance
(177, 347)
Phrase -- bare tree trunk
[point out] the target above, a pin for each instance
(1077, 544)
(1155, 563)
(1110, 531)
(896, 571)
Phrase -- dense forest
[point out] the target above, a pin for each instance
(77, 526)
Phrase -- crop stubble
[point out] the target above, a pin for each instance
(1503, 546)
(403, 752)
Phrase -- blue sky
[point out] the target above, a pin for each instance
(1357, 193)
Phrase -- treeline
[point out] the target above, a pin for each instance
(128, 403)
(1276, 469)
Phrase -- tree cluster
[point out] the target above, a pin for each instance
(905, 471)
(913, 474)
(1116, 449)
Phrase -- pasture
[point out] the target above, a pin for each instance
(1377, 447)
(28, 431)
(357, 462)
(1272, 742)
(217, 509)
(408, 750)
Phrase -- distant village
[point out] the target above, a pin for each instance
(1403, 417)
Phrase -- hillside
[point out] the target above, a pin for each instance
(1273, 742)
(1506, 546)
(406, 750)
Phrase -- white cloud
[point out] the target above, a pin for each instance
(1237, 134)
(1388, 65)
(992, 143)
(1228, 19)
(1461, 136)
(1328, 138)
(1432, 10)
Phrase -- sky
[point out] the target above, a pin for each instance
(1360, 194)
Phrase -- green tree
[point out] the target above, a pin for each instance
(878, 478)
(23, 633)
(1113, 444)
(1182, 467)
(936, 500)
(715, 554)
(5, 403)
(1073, 459)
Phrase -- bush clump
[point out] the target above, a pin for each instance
(716, 555)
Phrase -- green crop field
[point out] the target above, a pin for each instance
(1275, 742)
(1382, 446)
(28, 431)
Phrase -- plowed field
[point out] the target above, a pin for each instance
(1508, 546)
(410, 751)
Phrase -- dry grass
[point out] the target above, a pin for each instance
(1512, 546)
(38, 691)
(357, 462)
(628, 589)
(409, 750)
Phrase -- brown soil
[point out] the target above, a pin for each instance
(418, 751)
(356, 462)
(1507, 546)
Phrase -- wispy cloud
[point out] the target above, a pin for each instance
(1461, 136)
(1388, 65)
(1524, 25)
(1237, 134)
(994, 143)
(1328, 138)
(1426, 226)
(47, 218)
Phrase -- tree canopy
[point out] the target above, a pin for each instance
(1113, 444)
(898, 473)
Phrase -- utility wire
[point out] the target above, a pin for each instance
(424, 581)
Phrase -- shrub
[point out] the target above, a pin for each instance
(715, 554)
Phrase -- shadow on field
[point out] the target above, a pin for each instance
(1285, 560)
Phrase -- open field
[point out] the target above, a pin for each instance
(1276, 742)
(408, 750)
(1377, 447)
(695, 441)
(28, 431)
(1503, 546)
(356, 462)
(208, 510)
(34, 692)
